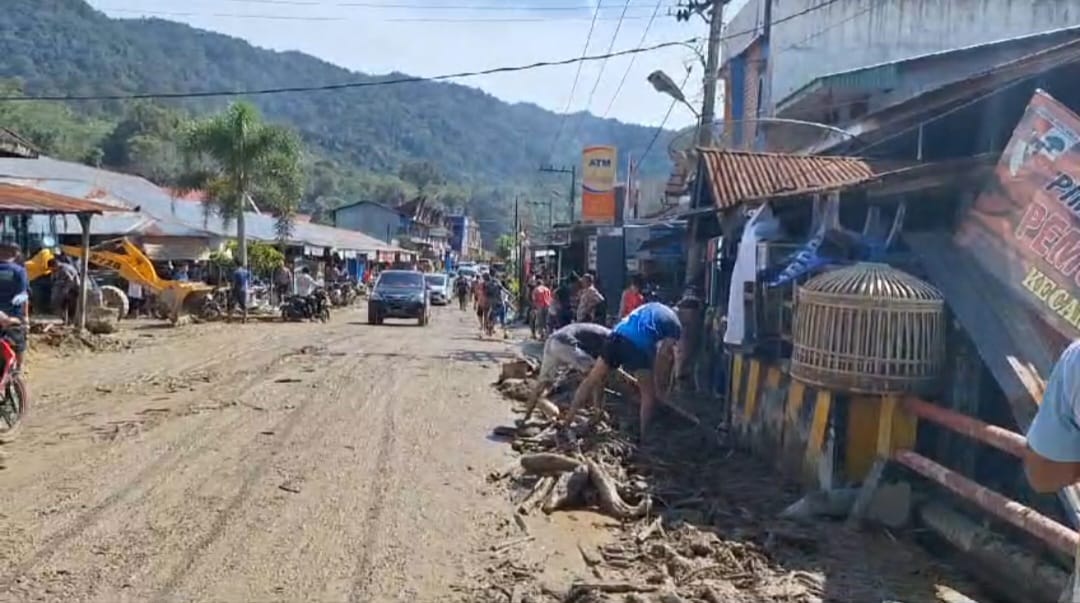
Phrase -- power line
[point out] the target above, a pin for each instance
(346, 85)
(449, 7)
(404, 80)
(577, 76)
(603, 64)
(263, 16)
(630, 65)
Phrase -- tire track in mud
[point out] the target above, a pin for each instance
(325, 526)
(362, 574)
(192, 443)
(290, 421)
(205, 359)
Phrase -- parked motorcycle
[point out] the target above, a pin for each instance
(342, 293)
(310, 307)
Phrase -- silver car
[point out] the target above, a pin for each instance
(438, 285)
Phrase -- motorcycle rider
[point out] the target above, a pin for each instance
(14, 298)
(305, 287)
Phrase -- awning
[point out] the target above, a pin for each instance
(911, 73)
(940, 101)
(736, 177)
(15, 199)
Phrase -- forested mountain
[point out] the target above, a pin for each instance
(358, 138)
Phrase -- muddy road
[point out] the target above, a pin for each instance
(259, 462)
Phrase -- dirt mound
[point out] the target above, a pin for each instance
(63, 340)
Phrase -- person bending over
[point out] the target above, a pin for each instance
(643, 344)
(575, 346)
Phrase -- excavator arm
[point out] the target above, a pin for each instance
(127, 259)
(131, 263)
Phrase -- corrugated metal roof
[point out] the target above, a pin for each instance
(22, 199)
(736, 177)
(160, 213)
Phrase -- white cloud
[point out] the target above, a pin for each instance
(379, 40)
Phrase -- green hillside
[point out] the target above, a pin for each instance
(357, 137)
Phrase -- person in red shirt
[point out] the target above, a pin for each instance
(541, 300)
(632, 296)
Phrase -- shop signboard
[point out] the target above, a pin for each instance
(591, 253)
(599, 169)
(1025, 226)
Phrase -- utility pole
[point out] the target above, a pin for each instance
(572, 170)
(715, 18)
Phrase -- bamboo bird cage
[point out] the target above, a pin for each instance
(869, 329)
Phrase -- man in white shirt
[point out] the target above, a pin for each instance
(305, 283)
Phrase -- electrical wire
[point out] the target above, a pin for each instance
(577, 77)
(603, 65)
(262, 16)
(465, 7)
(630, 65)
(394, 81)
(345, 85)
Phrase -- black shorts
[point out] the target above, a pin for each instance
(238, 299)
(16, 336)
(620, 352)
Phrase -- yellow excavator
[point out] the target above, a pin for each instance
(123, 256)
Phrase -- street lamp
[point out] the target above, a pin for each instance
(663, 84)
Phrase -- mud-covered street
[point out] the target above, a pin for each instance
(258, 462)
(345, 462)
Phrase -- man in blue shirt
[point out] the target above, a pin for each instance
(1052, 461)
(14, 297)
(643, 344)
(241, 278)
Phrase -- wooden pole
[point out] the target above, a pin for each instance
(84, 273)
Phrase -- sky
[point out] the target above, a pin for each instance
(433, 37)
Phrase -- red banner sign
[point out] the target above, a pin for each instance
(1025, 227)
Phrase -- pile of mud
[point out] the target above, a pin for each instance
(698, 521)
(63, 340)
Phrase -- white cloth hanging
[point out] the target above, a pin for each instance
(760, 226)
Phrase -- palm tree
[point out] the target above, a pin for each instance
(238, 159)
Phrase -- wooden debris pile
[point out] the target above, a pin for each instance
(679, 540)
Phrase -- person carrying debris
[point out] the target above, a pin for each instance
(642, 344)
(1052, 461)
(576, 347)
(65, 290)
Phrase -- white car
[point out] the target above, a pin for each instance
(438, 286)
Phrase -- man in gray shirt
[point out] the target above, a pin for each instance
(576, 346)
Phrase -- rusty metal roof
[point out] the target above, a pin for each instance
(735, 177)
(15, 199)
